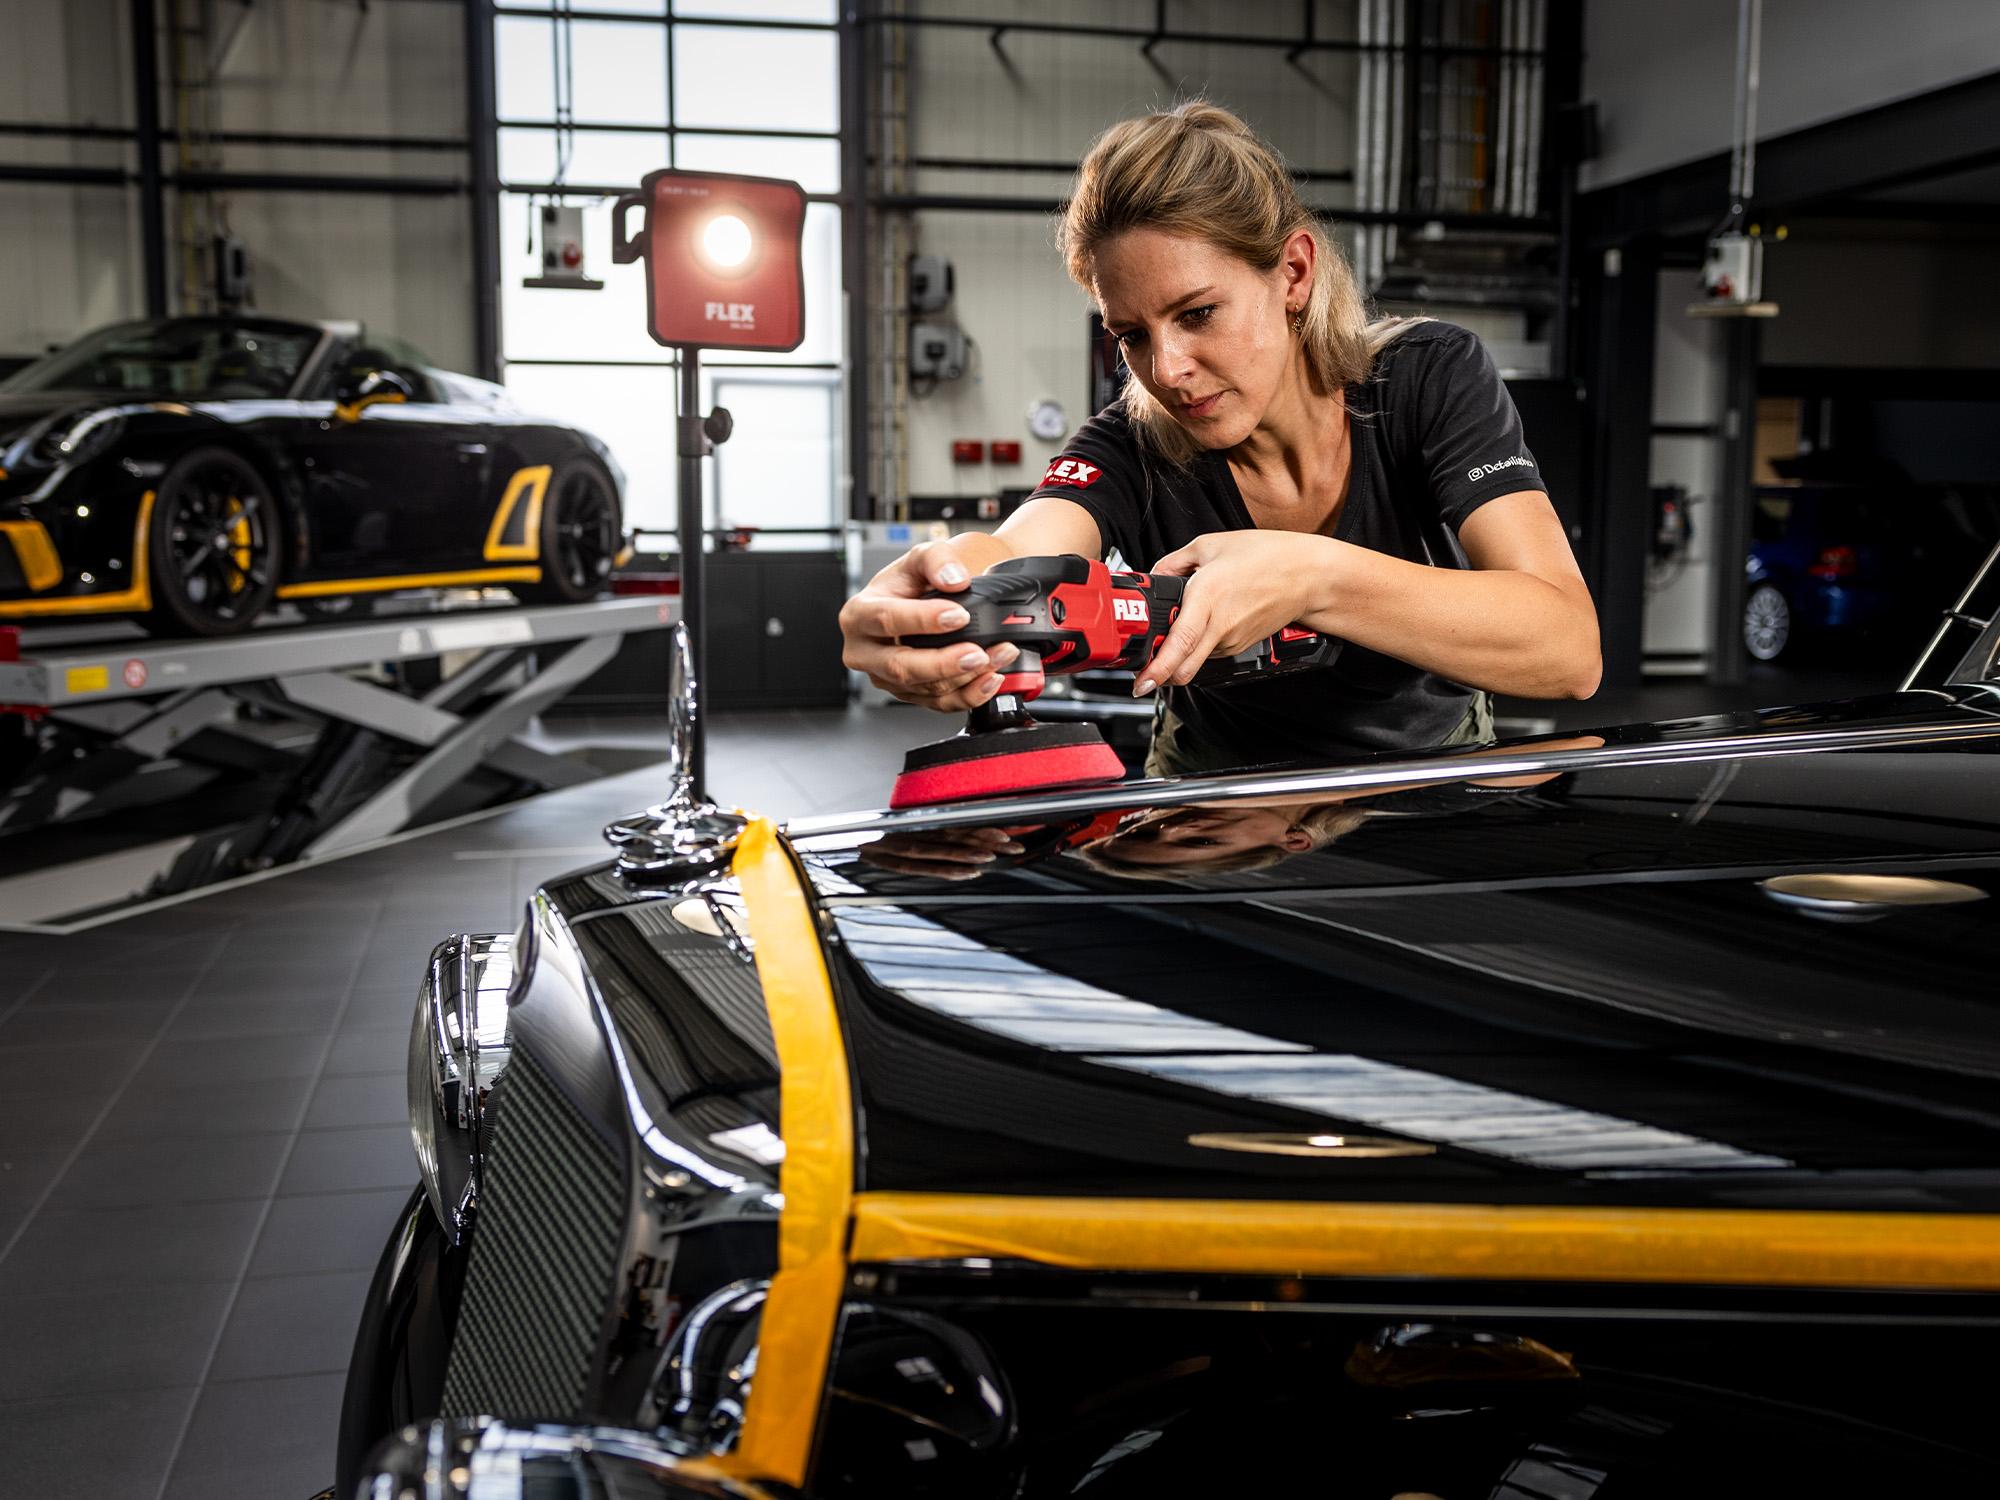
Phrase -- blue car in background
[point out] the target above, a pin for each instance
(1829, 563)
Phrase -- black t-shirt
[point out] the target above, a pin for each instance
(1434, 435)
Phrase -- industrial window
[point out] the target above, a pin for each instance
(708, 88)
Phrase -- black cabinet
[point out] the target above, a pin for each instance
(774, 631)
(773, 639)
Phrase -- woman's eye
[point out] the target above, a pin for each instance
(1194, 317)
(1130, 338)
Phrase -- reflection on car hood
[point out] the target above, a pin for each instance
(1746, 979)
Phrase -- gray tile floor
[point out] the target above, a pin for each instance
(202, 1126)
(202, 1137)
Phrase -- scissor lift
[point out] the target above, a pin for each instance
(366, 724)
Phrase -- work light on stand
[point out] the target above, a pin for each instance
(724, 270)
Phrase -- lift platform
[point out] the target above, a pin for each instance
(132, 767)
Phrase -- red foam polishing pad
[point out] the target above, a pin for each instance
(1032, 758)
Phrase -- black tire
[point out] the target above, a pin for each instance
(212, 547)
(581, 534)
(1767, 623)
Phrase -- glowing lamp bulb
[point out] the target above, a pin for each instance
(726, 241)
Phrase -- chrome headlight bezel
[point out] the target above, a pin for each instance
(460, 1045)
(64, 441)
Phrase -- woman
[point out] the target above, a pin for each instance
(1295, 461)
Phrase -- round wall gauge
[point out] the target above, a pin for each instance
(1047, 421)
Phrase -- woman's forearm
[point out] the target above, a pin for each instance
(979, 550)
(1507, 632)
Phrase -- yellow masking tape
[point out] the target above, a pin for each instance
(1721, 1247)
(817, 1122)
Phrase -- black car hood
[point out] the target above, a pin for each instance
(1631, 983)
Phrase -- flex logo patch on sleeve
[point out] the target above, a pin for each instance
(1073, 472)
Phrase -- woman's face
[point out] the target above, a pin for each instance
(1207, 335)
(1202, 835)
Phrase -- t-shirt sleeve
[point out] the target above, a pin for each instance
(1472, 444)
(1100, 469)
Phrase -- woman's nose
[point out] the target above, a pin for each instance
(1172, 365)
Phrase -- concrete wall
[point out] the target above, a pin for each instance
(398, 263)
(1883, 295)
(1046, 102)
(71, 253)
(1664, 75)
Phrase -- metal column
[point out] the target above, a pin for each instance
(152, 193)
(1729, 516)
(482, 156)
(1622, 293)
(854, 263)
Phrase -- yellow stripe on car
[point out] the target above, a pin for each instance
(1722, 1247)
(533, 483)
(134, 600)
(36, 552)
(408, 581)
(817, 1178)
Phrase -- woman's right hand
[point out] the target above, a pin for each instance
(952, 679)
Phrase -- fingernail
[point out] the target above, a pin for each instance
(1145, 686)
(1004, 653)
(972, 661)
(951, 573)
(991, 685)
(952, 618)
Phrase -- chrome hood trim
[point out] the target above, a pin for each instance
(687, 834)
(1432, 770)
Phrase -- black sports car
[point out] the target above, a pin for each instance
(1610, 1115)
(191, 470)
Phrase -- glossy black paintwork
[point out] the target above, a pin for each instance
(404, 1338)
(1576, 992)
(1571, 992)
(1401, 1399)
(403, 488)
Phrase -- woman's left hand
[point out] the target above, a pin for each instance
(1243, 586)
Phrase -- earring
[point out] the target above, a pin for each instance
(1299, 323)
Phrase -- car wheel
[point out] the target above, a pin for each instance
(212, 544)
(581, 530)
(1767, 623)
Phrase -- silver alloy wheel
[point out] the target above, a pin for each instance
(1767, 622)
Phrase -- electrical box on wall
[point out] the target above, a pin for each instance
(1732, 277)
(232, 273)
(562, 250)
(930, 283)
(1734, 268)
(937, 352)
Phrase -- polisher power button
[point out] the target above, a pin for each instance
(1056, 611)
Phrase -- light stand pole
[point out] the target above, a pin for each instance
(698, 437)
(693, 447)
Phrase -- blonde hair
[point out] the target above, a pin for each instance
(1197, 169)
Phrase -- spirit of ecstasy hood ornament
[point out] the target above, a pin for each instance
(687, 834)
